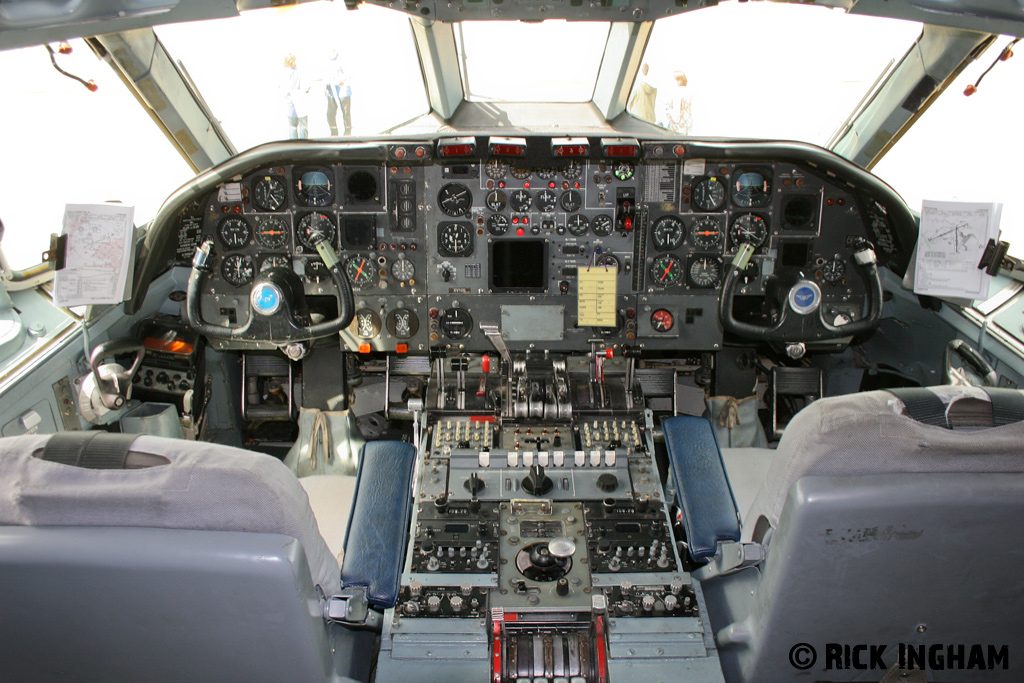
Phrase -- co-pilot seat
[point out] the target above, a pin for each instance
(882, 518)
(171, 560)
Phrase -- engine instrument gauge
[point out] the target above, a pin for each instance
(750, 188)
(271, 232)
(520, 201)
(313, 224)
(748, 228)
(546, 172)
(572, 170)
(608, 261)
(360, 270)
(456, 323)
(546, 201)
(495, 169)
(274, 261)
(577, 225)
(316, 270)
(708, 194)
(367, 323)
(833, 271)
(705, 272)
(666, 271)
(268, 193)
(706, 233)
(521, 172)
(454, 239)
(497, 224)
(234, 232)
(667, 233)
(602, 225)
(662, 320)
(403, 270)
(402, 323)
(314, 188)
(238, 269)
(455, 199)
(496, 200)
(623, 170)
(571, 201)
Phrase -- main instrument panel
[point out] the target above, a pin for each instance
(437, 246)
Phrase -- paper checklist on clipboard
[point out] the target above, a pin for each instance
(597, 296)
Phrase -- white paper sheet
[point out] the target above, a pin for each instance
(98, 256)
(952, 239)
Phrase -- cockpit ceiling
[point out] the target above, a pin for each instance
(32, 22)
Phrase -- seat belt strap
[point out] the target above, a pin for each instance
(923, 405)
(1007, 406)
(94, 449)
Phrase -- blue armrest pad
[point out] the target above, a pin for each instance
(379, 523)
(709, 511)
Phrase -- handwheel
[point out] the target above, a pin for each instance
(970, 356)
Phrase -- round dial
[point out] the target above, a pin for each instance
(455, 239)
(709, 194)
(667, 233)
(666, 271)
(403, 270)
(455, 199)
(571, 201)
(748, 228)
(268, 193)
(602, 225)
(234, 232)
(546, 172)
(271, 232)
(497, 224)
(496, 200)
(495, 169)
(546, 201)
(360, 270)
(274, 262)
(520, 201)
(521, 172)
(623, 170)
(402, 323)
(316, 270)
(314, 188)
(705, 271)
(456, 323)
(662, 320)
(706, 233)
(578, 224)
(608, 261)
(750, 188)
(833, 271)
(572, 170)
(313, 224)
(367, 323)
(238, 269)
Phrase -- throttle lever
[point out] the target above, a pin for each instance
(114, 386)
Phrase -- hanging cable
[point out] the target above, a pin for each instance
(65, 49)
(1003, 56)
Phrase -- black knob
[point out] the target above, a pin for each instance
(148, 381)
(563, 286)
(482, 527)
(446, 275)
(536, 482)
(441, 503)
(562, 587)
(607, 482)
(474, 505)
(427, 547)
(474, 484)
(557, 441)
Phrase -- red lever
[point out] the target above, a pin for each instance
(485, 363)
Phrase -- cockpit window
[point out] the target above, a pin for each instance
(315, 70)
(763, 69)
(560, 60)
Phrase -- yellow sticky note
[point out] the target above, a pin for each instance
(597, 297)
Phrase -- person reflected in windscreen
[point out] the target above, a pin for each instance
(644, 95)
(339, 94)
(677, 106)
(296, 99)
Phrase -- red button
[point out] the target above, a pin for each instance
(520, 232)
(401, 348)
(485, 363)
(629, 224)
(608, 353)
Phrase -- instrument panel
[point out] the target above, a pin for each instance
(435, 248)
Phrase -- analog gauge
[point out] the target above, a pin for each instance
(662, 320)
(315, 270)
(750, 188)
(360, 270)
(238, 269)
(496, 200)
(572, 170)
(546, 201)
(456, 323)
(577, 224)
(268, 193)
(546, 172)
(666, 271)
(667, 233)
(367, 323)
(602, 225)
(402, 323)
(571, 201)
(706, 233)
(833, 271)
(313, 224)
(271, 232)
(623, 170)
(705, 271)
(497, 224)
(455, 199)
(274, 262)
(608, 261)
(748, 228)
(521, 172)
(495, 169)
(709, 194)
(521, 201)
(234, 232)
(403, 270)
(314, 188)
(454, 239)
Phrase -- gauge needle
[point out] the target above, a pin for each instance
(667, 268)
(360, 271)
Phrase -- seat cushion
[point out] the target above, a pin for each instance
(746, 469)
(330, 498)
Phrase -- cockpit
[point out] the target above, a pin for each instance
(510, 340)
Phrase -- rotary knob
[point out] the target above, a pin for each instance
(433, 604)
(536, 482)
(474, 484)
(607, 482)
